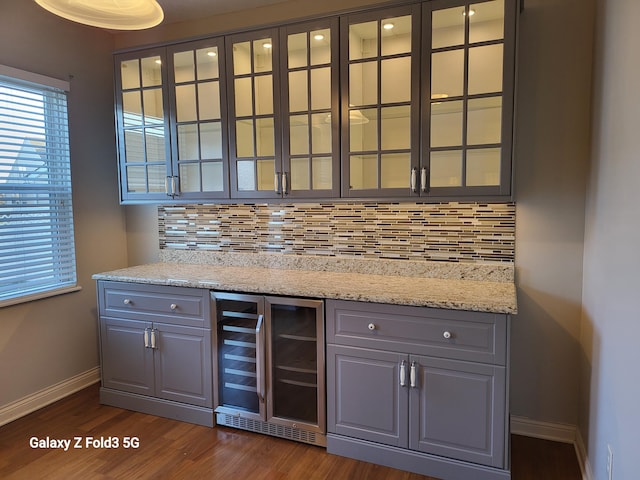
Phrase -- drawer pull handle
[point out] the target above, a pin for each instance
(173, 306)
(403, 373)
(372, 326)
(447, 335)
(127, 301)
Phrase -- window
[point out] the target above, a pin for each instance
(37, 253)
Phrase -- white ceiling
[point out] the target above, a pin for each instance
(181, 10)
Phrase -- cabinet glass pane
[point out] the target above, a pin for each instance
(484, 120)
(363, 129)
(300, 174)
(212, 177)
(487, 22)
(363, 83)
(264, 94)
(154, 144)
(446, 124)
(298, 91)
(265, 146)
(447, 74)
(483, 167)
(157, 175)
(485, 69)
(395, 170)
(133, 146)
(186, 103)
(132, 108)
(363, 40)
(207, 63)
(242, 58)
(211, 140)
(321, 170)
(321, 47)
(266, 170)
(209, 101)
(299, 134)
(188, 142)
(136, 179)
(363, 172)
(297, 50)
(151, 71)
(243, 97)
(321, 133)
(396, 35)
(246, 175)
(262, 55)
(446, 169)
(153, 108)
(396, 80)
(447, 27)
(190, 177)
(244, 138)
(321, 88)
(184, 67)
(130, 74)
(395, 128)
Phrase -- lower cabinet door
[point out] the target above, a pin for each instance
(366, 396)
(183, 364)
(457, 410)
(127, 364)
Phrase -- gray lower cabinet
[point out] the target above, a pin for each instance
(155, 347)
(418, 389)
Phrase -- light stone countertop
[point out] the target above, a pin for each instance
(457, 294)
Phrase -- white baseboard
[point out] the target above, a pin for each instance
(558, 432)
(35, 401)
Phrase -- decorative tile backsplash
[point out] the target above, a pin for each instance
(454, 232)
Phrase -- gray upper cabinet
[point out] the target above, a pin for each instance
(171, 123)
(414, 101)
(380, 101)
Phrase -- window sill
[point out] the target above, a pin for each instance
(39, 296)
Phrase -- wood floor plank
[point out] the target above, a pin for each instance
(171, 450)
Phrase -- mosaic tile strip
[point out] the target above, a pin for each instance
(453, 232)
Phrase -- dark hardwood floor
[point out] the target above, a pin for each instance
(169, 449)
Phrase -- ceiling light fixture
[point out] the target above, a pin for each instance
(110, 14)
(388, 26)
(267, 45)
(318, 37)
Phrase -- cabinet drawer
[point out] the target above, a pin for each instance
(462, 335)
(176, 305)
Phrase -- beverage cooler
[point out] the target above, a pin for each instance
(270, 365)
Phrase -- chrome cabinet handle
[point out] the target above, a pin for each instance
(447, 335)
(414, 180)
(153, 338)
(146, 338)
(403, 372)
(173, 306)
(127, 301)
(260, 359)
(423, 179)
(371, 326)
(174, 186)
(285, 185)
(276, 183)
(413, 374)
(166, 186)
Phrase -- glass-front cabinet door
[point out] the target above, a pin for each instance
(380, 102)
(254, 116)
(198, 121)
(142, 121)
(467, 97)
(311, 162)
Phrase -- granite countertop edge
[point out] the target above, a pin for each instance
(446, 293)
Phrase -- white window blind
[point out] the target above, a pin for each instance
(37, 251)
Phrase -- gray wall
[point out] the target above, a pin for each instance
(48, 341)
(611, 323)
